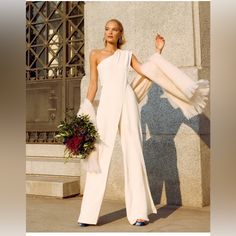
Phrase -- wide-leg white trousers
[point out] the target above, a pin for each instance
(138, 198)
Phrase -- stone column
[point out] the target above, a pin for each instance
(176, 150)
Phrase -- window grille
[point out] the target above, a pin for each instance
(54, 64)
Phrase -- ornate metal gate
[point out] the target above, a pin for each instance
(54, 65)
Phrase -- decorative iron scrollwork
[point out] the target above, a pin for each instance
(54, 39)
(41, 137)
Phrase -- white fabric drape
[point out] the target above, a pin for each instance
(180, 90)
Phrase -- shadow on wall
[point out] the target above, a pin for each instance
(163, 123)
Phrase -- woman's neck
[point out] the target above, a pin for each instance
(110, 48)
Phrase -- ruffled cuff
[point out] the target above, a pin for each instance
(87, 108)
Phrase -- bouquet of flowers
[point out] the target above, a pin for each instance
(79, 135)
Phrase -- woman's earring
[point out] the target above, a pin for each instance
(120, 40)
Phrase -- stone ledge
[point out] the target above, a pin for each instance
(52, 166)
(52, 150)
(54, 186)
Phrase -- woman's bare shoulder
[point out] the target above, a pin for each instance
(94, 52)
(97, 51)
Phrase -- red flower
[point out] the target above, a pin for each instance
(74, 143)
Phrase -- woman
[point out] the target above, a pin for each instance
(118, 110)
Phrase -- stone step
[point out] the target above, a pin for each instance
(53, 186)
(52, 166)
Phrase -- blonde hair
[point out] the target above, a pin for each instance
(121, 41)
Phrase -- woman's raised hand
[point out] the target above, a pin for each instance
(159, 43)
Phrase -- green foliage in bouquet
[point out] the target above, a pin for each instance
(78, 134)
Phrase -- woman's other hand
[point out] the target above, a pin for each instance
(159, 43)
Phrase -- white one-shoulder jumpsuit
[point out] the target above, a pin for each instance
(118, 111)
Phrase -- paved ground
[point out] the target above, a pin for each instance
(60, 215)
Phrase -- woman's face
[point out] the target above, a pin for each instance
(112, 32)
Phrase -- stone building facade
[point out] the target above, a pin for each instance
(176, 151)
